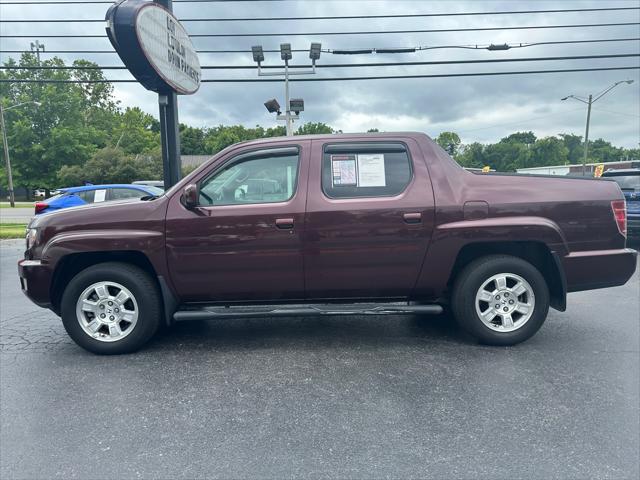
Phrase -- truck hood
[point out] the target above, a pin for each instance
(113, 214)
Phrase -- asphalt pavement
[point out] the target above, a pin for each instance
(16, 215)
(339, 397)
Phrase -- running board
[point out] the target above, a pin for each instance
(253, 311)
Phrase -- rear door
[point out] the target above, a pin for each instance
(370, 215)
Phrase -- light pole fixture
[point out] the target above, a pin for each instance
(293, 105)
(272, 106)
(590, 101)
(5, 144)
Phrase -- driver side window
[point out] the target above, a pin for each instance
(267, 179)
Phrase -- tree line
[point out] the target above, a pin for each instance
(79, 133)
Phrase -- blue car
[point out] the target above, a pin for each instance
(629, 182)
(76, 196)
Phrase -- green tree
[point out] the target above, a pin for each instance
(549, 151)
(450, 142)
(527, 138)
(574, 146)
(69, 126)
(112, 165)
(192, 140)
(314, 129)
(472, 156)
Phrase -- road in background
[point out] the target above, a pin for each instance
(356, 397)
(16, 215)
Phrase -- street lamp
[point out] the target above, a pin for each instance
(294, 105)
(5, 143)
(589, 101)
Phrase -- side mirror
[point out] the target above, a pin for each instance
(191, 196)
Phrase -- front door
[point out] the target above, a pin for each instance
(370, 215)
(243, 241)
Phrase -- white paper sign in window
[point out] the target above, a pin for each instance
(371, 170)
(100, 196)
(343, 170)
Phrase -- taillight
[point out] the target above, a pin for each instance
(41, 206)
(619, 208)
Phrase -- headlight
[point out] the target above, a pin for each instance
(32, 236)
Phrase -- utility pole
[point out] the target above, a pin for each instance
(590, 101)
(169, 128)
(36, 47)
(586, 137)
(5, 144)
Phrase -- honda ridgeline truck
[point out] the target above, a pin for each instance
(331, 224)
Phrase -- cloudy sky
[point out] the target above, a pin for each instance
(481, 109)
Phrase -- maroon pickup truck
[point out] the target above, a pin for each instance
(329, 225)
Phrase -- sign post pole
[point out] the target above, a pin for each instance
(169, 129)
(157, 50)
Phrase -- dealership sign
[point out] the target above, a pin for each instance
(154, 46)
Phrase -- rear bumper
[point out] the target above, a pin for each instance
(35, 280)
(598, 269)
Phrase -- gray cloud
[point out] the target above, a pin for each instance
(480, 108)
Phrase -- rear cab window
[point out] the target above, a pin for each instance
(371, 169)
(627, 181)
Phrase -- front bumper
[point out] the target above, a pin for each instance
(599, 268)
(35, 281)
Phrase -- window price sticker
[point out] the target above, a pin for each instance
(371, 170)
(343, 170)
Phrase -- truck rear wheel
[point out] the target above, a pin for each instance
(500, 300)
(111, 308)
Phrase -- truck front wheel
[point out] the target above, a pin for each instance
(111, 308)
(500, 299)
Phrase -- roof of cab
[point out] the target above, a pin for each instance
(334, 136)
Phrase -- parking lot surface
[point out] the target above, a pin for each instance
(347, 397)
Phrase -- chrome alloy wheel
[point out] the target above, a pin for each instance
(505, 302)
(107, 311)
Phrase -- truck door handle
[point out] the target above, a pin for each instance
(284, 223)
(412, 217)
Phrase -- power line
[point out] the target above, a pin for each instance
(339, 65)
(333, 79)
(372, 32)
(522, 121)
(71, 2)
(616, 113)
(368, 50)
(345, 17)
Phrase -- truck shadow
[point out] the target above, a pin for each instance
(312, 332)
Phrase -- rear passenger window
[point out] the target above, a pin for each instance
(87, 195)
(365, 170)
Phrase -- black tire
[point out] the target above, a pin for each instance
(473, 276)
(139, 283)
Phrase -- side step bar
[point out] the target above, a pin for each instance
(252, 311)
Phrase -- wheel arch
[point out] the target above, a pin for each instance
(70, 265)
(536, 253)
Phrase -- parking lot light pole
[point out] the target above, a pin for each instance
(590, 101)
(286, 55)
(5, 145)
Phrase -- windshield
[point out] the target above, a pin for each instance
(54, 197)
(627, 182)
(155, 191)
